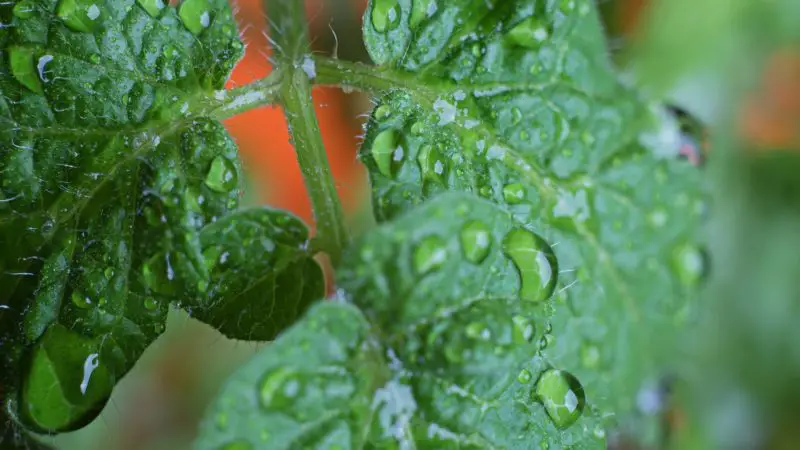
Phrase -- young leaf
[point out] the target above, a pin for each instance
(262, 271)
(517, 102)
(112, 161)
(449, 361)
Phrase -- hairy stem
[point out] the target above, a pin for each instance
(289, 33)
(365, 77)
(263, 92)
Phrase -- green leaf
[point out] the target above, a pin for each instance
(311, 388)
(112, 161)
(262, 271)
(517, 102)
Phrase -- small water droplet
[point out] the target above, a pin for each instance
(24, 9)
(222, 175)
(429, 255)
(524, 376)
(590, 356)
(108, 273)
(689, 263)
(79, 15)
(385, 15)
(383, 112)
(432, 164)
(530, 33)
(514, 193)
(195, 15)
(546, 341)
(417, 128)
(657, 217)
(562, 396)
(516, 115)
(157, 274)
(523, 329)
(280, 388)
(476, 241)
(81, 300)
(387, 152)
(536, 263)
(150, 304)
(41, 67)
(153, 7)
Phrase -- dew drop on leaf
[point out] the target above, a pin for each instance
(536, 263)
(417, 128)
(689, 263)
(429, 255)
(81, 300)
(80, 15)
(383, 112)
(523, 329)
(385, 15)
(476, 241)
(24, 9)
(150, 304)
(516, 115)
(387, 152)
(41, 67)
(562, 396)
(153, 7)
(195, 15)
(530, 33)
(514, 193)
(524, 376)
(157, 274)
(279, 389)
(590, 356)
(24, 69)
(222, 176)
(432, 164)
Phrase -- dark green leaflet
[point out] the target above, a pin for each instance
(110, 167)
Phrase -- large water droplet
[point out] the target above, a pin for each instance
(536, 263)
(195, 15)
(150, 304)
(432, 164)
(562, 396)
(81, 300)
(476, 241)
(422, 9)
(222, 176)
(383, 112)
(24, 69)
(41, 67)
(690, 263)
(524, 376)
(530, 33)
(158, 275)
(387, 152)
(385, 15)
(280, 388)
(80, 15)
(514, 193)
(24, 9)
(153, 7)
(429, 255)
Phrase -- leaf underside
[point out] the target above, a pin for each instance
(115, 184)
(524, 310)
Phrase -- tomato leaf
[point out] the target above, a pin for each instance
(112, 162)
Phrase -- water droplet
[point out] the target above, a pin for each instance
(417, 128)
(514, 193)
(590, 356)
(222, 175)
(150, 304)
(562, 396)
(524, 376)
(41, 67)
(429, 255)
(536, 263)
(546, 341)
(24, 9)
(79, 15)
(153, 7)
(530, 33)
(195, 15)
(476, 241)
(383, 112)
(516, 115)
(81, 300)
(24, 69)
(385, 15)
(477, 330)
(238, 445)
(523, 329)
(422, 9)
(89, 365)
(689, 263)
(158, 275)
(432, 164)
(387, 152)
(280, 388)
(657, 217)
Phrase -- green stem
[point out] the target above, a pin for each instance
(289, 32)
(263, 92)
(365, 77)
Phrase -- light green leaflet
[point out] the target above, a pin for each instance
(528, 318)
(112, 162)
